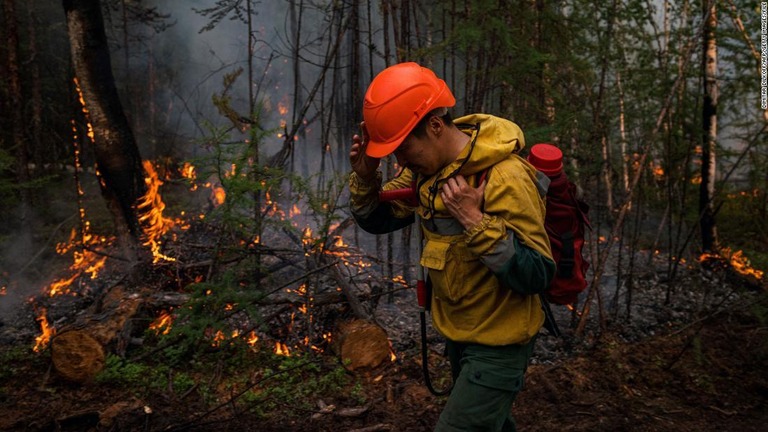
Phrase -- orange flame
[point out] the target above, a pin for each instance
(47, 332)
(162, 325)
(84, 262)
(151, 207)
(392, 355)
(218, 195)
(91, 134)
(282, 349)
(252, 338)
(188, 172)
(741, 264)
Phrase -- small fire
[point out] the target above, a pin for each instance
(282, 349)
(573, 309)
(218, 195)
(162, 325)
(91, 134)
(658, 170)
(85, 261)
(47, 332)
(295, 210)
(151, 207)
(741, 264)
(392, 355)
(188, 172)
(306, 236)
(738, 262)
(218, 338)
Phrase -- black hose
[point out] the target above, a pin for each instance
(425, 359)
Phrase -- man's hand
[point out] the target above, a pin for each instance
(463, 201)
(363, 165)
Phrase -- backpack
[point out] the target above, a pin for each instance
(565, 221)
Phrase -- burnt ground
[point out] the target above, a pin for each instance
(696, 364)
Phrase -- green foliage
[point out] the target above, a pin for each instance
(141, 377)
(209, 313)
(15, 358)
(296, 390)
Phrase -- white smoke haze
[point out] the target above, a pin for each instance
(179, 69)
(197, 61)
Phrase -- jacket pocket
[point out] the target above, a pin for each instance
(434, 254)
(452, 270)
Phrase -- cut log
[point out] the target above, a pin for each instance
(77, 356)
(361, 345)
(78, 351)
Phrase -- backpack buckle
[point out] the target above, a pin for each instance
(565, 267)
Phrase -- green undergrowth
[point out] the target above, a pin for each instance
(252, 378)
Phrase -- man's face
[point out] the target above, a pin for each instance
(418, 155)
(423, 155)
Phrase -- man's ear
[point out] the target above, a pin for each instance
(436, 125)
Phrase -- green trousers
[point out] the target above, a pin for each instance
(486, 381)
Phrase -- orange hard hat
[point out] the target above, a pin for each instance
(398, 97)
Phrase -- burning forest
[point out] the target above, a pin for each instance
(178, 249)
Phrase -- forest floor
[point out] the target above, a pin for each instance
(704, 374)
(696, 363)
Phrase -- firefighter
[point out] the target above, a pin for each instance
(485, 247)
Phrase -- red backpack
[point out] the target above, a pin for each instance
(566, 220)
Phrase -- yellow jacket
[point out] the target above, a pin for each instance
(484, 280)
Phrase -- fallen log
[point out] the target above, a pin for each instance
(361, 344)
(78, 350)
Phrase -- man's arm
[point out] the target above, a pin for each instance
(504, 226)
(372, 215)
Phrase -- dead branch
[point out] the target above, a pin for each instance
(347, 289)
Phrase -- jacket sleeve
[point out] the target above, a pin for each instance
(372, 215)
(511, 239)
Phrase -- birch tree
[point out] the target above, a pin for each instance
(709, 130)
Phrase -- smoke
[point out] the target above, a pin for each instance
(19, 253)
(188, 66)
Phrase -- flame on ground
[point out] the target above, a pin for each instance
(162, 325)
(85, 261)
(737, 261)
(151, 207)
(282, 349)
(47, 332)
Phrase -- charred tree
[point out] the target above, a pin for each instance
(709, 131)
(117, 155)
(36, 149)
(18, 141)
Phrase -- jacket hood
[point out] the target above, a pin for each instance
(493, 140)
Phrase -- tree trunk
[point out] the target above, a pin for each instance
(709, 132)
(15, 101)
(117, 155)
(36, 149)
